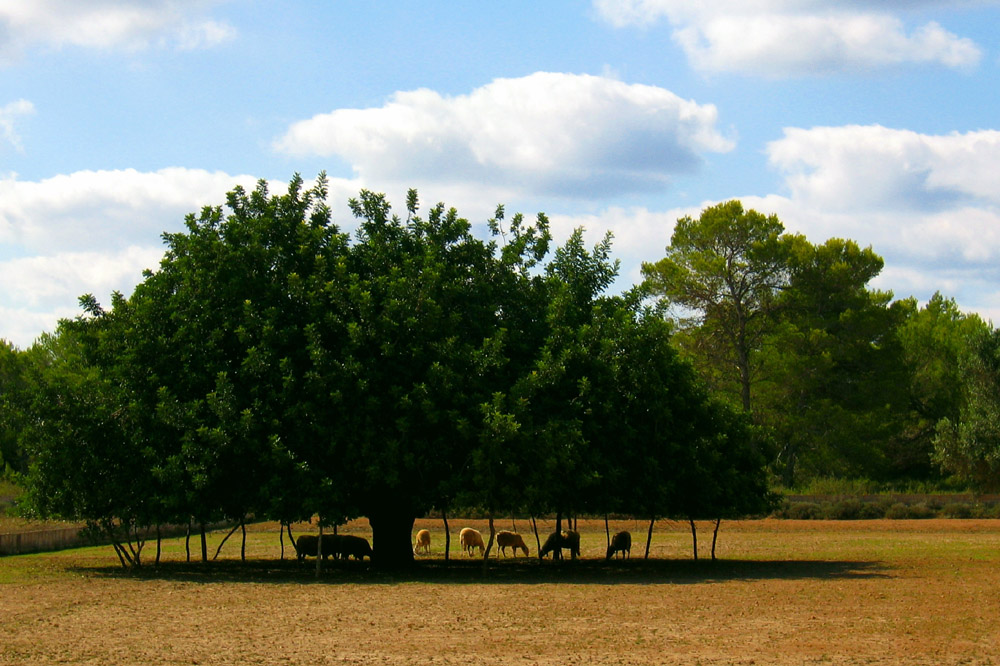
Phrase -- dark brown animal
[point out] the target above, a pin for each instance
(348, 545)
(567, 539)
(512, 540)
(305, 545)
(620, 543)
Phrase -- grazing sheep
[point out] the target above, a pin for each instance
(348, 545)
(423, 542)
(470, 538)
(620, 542)
(512, 540)
(568, 539)
(305, 545)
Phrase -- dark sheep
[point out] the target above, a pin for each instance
(621, 542)
(348, 545)
(305, 545)
(568, 539)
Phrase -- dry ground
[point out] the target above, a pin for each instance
(783, 592)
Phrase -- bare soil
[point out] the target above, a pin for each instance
(781, 592)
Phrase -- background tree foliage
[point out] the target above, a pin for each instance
(848, 382)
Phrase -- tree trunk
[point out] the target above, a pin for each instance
(319, 549)
(224, 540)
(649, 537)
(392, 538)
(243, 546)
(557, 553)
(447, 536)
(538, 543)
(158, 541)
(281, 538)
(204, 544)
(187, 541)
(694, 538)
(607, 530)
(715, 536)
(489, 545)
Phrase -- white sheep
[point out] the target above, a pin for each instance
(470, 538)
(423, 542)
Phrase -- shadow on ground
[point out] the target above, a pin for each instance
(522, 571)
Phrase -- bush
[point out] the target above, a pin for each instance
(958, 510)
(846, 509)
(802, 511)
(900, 511)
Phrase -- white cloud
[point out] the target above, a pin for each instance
(874, 167)
(105, 209)
(796, 37)
(548, 133)
(9, 114)
(108, 24)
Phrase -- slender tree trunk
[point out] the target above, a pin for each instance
(715, 536)
(187, 541)
(204, 544)
(158, 543)
(281, 538)
(557, 553)
(447, 536)
(538, 543)
(291, 539)
(649, 537)
(489, 545)
(319, 549)
(694, 538)
(223, 543)
(607, 530)
(243, 546)
(513, 527)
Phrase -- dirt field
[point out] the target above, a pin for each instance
(783, 592)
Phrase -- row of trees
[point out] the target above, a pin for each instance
(849, 382)
(274, 366)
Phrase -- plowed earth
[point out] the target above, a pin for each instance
(781, 592)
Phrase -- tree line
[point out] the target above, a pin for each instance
(277, 367)
(849, 382)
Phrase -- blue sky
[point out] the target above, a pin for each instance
(876, 121)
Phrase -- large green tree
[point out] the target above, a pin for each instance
(274, 366)
(723, 272)
(835, 376)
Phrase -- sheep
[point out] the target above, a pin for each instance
(305, 545)
(568, 539)
(348, 545)
(620, 542)
(423, 542)
(512, 540)
(470, 538)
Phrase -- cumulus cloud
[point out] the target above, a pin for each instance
(548, 133)
(796, 37)
(9, 114)
(105, 209)
(108, 24)
(927, 203)
(874, 167)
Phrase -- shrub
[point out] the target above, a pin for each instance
(846, 509)
(900, 511)
(803, 511)
(958, 510)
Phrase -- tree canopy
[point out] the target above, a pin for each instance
(277, 367)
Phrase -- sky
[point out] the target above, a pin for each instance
(876, 121)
